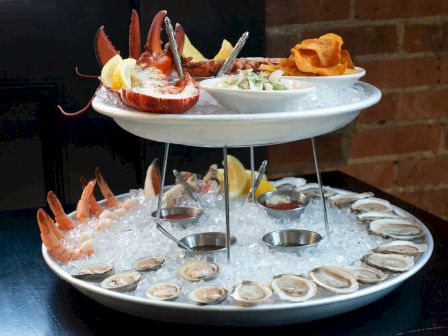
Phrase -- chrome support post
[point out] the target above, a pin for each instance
(226, 199)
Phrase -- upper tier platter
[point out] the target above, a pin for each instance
(235, 129)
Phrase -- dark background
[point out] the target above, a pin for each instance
(41, 43)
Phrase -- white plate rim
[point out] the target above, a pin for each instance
(333, 299)
(361, 72)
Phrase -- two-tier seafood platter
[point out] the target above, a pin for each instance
(227, 246)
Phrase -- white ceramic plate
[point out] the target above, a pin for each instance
(262, 315)
(246, 101)
(237, 130)
(339, 81)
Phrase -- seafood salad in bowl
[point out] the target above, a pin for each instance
(249, 92)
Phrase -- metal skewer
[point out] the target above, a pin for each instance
(252, 171)
(159, 204)
(236, 50)
(187, 187)
(261, 170)
(319, 181)
(173, 46)
(226, 198)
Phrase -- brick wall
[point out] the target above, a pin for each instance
(399, 145)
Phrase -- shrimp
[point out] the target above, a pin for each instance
(111, 201)
(95, 208)
(53, 242)
(82, 208)
(64, 222)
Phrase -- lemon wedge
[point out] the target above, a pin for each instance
(224, 52)
(108, 69)
(190, 51)
(237, 177)
(264, 186)
(123, 73)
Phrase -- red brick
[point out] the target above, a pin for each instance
(424, 104)
(433, 201)
(379, 174)
(363, 40)
(426, 37)
(402, 72)
(446, 136)
(395, 140)
(444, 70)
(280, 45)
(300, 152)
(385, 110)
(389, 9)
(422, 171)
(281, 12)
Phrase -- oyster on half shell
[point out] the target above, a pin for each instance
(344, 200)
(94, 272)
(294, 288)
(148, 264)
(389, 262)
(367, 275)
(397, 228)
(371, 204)
(199, 270)
(335, 279)
(122, 282)
(403, 247)
(208, 295)
(250, 293)
(164, 291)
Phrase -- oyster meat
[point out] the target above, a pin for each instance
(94, 272)
(369, 216)
(397, 228)
(164, 291)
(199, 270)
(148, 264)
(122, 282)
(294, 288)
(371, 204)
(250, 293)
(402, 247)
(344, 200)
(208, 295)
(335, 279)
(367, 275)
(389, 262)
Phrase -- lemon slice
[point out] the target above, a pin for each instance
(237, 177)
(264, 186)
(190, 51)
(123, 74)
(108, 69)
(224, 52)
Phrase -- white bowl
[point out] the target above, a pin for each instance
(340, 80)
(246, 101)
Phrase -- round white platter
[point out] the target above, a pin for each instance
(237, 130)
(339, 81)
(262, 315)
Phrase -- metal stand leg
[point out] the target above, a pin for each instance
(319, 181)
(226, 198)
(159, 203)
(252, 173)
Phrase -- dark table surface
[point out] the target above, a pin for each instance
(34, 301)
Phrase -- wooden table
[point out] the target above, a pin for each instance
(33, 301)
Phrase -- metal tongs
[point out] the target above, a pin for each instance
(236, 50)
(187, 187)
(261, 171)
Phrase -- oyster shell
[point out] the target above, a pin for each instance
(389, 262)
(148, 264)
(344, 200)
(397, 228)
(371, 204)
(402, 247)
(294, 288)
(335, 279)
(368, 216)
(122, 282)
(199, 270)
(208, 295)
(367, 275)
(98, 271)
(312, 190)
(164, 291)
(250, 293)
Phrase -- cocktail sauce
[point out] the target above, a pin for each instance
(284, 206)
(177, 216)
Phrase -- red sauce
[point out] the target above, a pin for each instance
(284, 206)
(176, 216)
